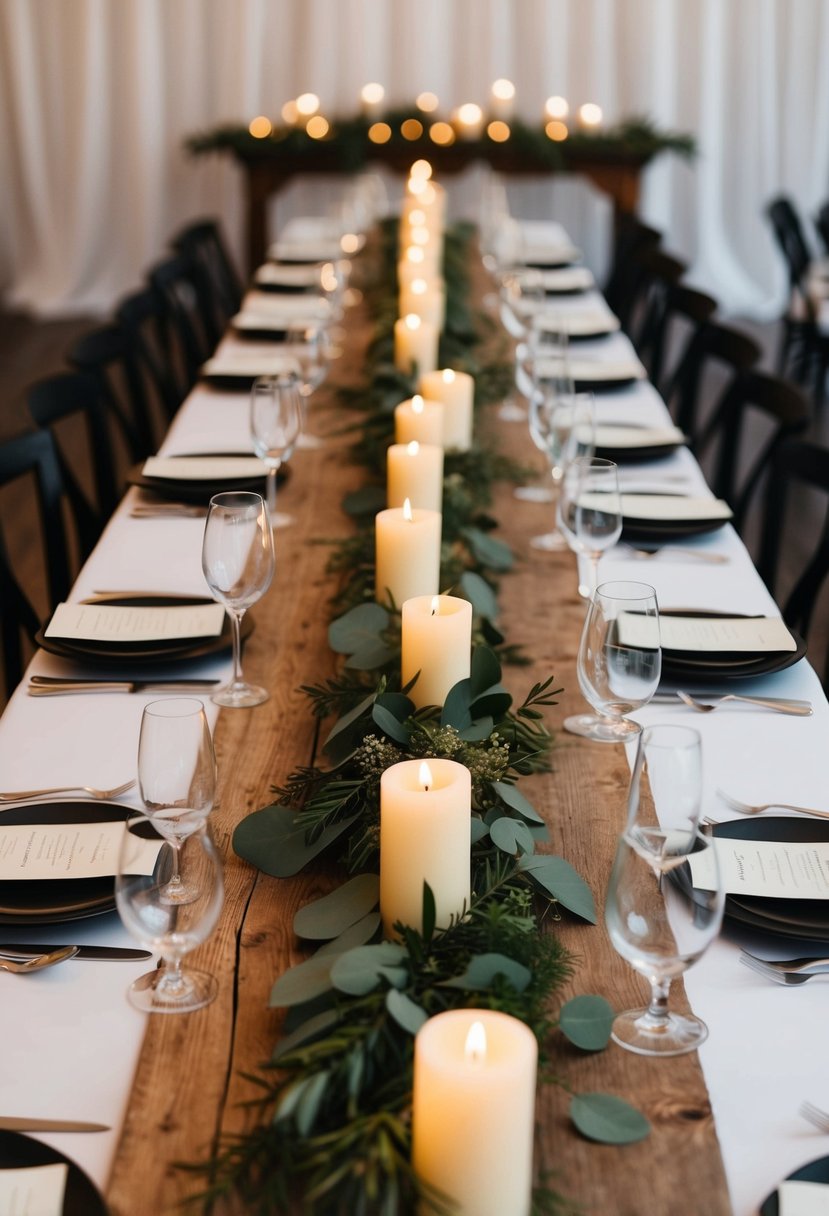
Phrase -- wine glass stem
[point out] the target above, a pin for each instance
(657, 1014)
(270, 491)
(236, 619)
(594, 571)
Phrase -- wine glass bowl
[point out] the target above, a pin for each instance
(619, 660)
(590, 510)
(563, 427)
(665, 899)
(148, 860)
(275, 426)
(238, 565)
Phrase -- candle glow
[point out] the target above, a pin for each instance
(475, 1047)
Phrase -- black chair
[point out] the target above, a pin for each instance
(74, 399)
(621, 289)
(659, 272)
(109, 356)
(714, 351)
(30, 456)
(742, 456)
(143, 318)
(804, 352)
(799, 469)
(822, 225)
(685, 311)
(189, 329)
(203, 243)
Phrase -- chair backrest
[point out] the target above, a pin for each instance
(822, 225)
(713, 346)
(660, 272)
(24, 456)
(622, 285)
(797, 466)
(142, 315)
(791, 240)
(77, 396)
(686, 309)
(741, 461)
(108, 355)
(181, 288)
(202, 241)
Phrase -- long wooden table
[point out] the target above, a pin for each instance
(190, 1083)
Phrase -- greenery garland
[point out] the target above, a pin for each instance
(335, 1096)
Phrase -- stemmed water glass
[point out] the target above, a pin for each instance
(563, 426)
(309, 348)
(665, 899)
(176, 777)
(590, 510)
(275, 425)
(238, 564)
(146, 862)
(619, 660)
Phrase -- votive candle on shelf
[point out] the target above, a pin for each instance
(407, 553)
(457, 392)
(468, 121)
(473, 1110)
(436, 646)
(424, 298)
(425, 836)
(415, 345)
(502, 99)
(418, 420)
(372, 97)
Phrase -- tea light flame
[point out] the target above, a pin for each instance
(412, 321)
(435, 605)
(424, 776)
(407, 510)
(475, 1049)
(417, 405)
(413, 448)
(448, 376)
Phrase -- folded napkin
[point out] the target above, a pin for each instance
(288, 310)
(204, 468)
(591, 369)
(248, 363)
(567, 278)
(297, 277)
(638, 436)
(577, 323)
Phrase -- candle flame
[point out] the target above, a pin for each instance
(307, 103)
(448, 375)
(421, 168)
(435, 605)
(412, 321)
(590, 114)
(417, 404)
(419, 287)
(424, 776)
(372, 93)
(557, 107)
(407, 509)
(415, 254)
(413, 448)
(504, 90)
(475, 1050)
(470, 113)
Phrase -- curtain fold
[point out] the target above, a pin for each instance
(98, 97)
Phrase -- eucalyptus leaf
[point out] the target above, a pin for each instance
(368, 500)
(360, 970)
(484, 670)
(480, 829)
(488, 550)
(389, 725)
(359, 934)
(308, 1106)
(271, 840)
(306, 1033)
(482, 971)
(515, 800)
(556, 877)
(494, 704)
(456, 706)
(328, 917)
(477, 731)
(587, 1021)
(373, 654)
(303, 982)
(480, 595)
(511, 836)
(608, 1119)
(360, 625)
(348, 720)
(405, 1012)
(398, 704)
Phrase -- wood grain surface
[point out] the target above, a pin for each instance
(189, 1084)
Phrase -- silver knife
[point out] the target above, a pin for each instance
(116, 953)
(49, 686)
(8, 1123)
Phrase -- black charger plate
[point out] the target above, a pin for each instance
(177, 489)
(814, 1171)
(81, 1197)
(679, 665)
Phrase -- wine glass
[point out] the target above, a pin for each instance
(665, 900)
(176, 776)
(619, 661)
(147, 859)
(309, 348)
(275, 424)
(563, 426)
(590, 510)
(238, 564)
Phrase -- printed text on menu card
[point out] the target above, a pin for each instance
(775, 869)
(37, 851)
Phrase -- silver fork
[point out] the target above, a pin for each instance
(89, 790)
(790, 971)
(814, 1115)
(746, 808)
(801, 709)
(40, 961)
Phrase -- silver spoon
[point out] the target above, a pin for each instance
(40, 961)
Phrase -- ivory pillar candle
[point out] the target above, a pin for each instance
(415, 345)
(456, 390)
(407, 553)
(415, 471)
(418, 420)
(473, 1110)
(426, 300)
(436, 646)
(425, 836)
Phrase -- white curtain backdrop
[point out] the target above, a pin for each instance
(97, 97)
